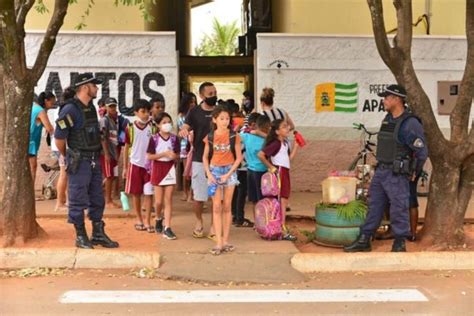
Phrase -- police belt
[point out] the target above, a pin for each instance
(89, 155)
(382, 165)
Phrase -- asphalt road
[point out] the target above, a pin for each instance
(441, 293)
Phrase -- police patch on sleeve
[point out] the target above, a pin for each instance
(418, 143)
(61, 124)
(70, 121)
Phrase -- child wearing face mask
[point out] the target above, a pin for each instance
(163, 152)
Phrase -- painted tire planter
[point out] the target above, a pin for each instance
(334, 231)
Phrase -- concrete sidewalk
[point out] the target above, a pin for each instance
(254, 260)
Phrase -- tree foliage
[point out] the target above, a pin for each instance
(221, 42)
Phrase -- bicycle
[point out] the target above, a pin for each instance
(364, 170)
(367, 150)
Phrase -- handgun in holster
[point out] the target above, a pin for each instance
(73, 161)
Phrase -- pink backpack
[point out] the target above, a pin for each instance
(268, 221)
(270, 185)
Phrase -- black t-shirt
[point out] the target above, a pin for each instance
(200, 122)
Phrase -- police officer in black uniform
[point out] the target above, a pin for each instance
(401, 153)
(78, 126)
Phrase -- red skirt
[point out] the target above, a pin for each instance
(163, 173)
(285, 183)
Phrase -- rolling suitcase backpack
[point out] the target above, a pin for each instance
(268, 218)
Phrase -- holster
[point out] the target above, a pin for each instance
(73, 159)
(403, 166)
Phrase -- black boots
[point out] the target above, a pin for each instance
(100, 238)
(361, 244)
(399, 245)
(82, 241)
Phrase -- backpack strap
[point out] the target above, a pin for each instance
(131, 133)
(210, 141)
(282, 115)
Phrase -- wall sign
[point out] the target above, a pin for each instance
(53, 84)
(337, 97)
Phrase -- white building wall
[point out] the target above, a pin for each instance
(133, 56)
(313, 60)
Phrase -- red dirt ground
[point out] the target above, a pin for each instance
(303, 224)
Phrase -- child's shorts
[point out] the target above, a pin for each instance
(218, 172)
(108, 167)
(285, 183)
(138, 181)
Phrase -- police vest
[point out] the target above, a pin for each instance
(87, 138)
(389, 147)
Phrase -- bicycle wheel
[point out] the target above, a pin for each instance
(355, 162)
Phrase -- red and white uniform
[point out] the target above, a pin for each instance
(138, 178)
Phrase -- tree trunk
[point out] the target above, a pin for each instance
(443, 227)
(452, 179)
(2, 143)
(18, 205)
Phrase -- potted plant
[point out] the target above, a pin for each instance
(337, 225)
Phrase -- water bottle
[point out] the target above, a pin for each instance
(299, 139)
(124, 200)
(212, 188)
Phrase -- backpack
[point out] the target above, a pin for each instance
(268, 220)
(270, 185)
(156, 138)
(210, 140)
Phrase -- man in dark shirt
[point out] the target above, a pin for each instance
(199, 120)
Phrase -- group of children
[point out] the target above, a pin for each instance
(235, 156)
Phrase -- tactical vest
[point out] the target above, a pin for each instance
(87, 138)
(389, 147)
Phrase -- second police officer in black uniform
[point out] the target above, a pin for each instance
(401, 153)
(77, 129)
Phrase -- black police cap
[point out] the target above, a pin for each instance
(395, 90)
(86, 78)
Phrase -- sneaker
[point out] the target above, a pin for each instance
(159, 226)
(289, 237)
(168, 234)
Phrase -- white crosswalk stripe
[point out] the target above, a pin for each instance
(244, 296)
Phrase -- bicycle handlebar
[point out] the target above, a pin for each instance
(360, 126)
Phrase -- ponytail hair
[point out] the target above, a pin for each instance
(272, 135)
(44, 96)
(267, 96)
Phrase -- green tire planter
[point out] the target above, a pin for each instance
(333, 231)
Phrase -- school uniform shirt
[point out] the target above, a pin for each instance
(163, 170)
(253, 144)
(139, 144)
(222, 153)
(278, 152)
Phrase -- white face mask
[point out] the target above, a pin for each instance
(167, 127)
(142, 121)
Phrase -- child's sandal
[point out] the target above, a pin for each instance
(216, 251)
(150, 229)
(228, 248)
(140, 227)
